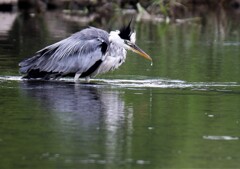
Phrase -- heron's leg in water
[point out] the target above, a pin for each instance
(76, 77)
(87, 79)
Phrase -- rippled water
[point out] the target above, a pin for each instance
(181, 112)
(146, 83)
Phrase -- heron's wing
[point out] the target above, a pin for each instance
(77, 53)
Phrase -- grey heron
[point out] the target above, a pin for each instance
(85, 54)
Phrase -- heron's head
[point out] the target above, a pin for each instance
(126, 38)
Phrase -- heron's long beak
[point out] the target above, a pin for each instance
(138, 50)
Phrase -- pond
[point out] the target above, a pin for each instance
(181, 112)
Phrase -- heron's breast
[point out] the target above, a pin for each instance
(114, 58)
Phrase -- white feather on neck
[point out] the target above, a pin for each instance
(115, 38)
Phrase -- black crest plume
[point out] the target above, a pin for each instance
(126, 32)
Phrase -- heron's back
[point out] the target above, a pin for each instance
(80, 53)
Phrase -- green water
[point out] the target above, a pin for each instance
(182, 112)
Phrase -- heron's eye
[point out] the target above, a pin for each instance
(127, 42)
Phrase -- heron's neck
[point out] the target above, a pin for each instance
(115, 38)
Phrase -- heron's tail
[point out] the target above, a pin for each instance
(27, 64)
(29, 70)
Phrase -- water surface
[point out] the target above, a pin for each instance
(182, 112)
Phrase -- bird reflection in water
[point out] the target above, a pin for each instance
(81, 110)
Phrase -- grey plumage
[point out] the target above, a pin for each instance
(84, 54)
(75, 54)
